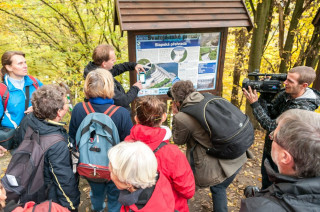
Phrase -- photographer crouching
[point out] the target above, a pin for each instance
(296, 95)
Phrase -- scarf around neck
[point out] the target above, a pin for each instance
(101, 101)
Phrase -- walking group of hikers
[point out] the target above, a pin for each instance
(134, 166)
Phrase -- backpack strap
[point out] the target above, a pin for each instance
(46, 141)
(4, 92)
(35, 82)
(111, 110)
(34, 208)
(159, 147)
(26, 103)
(29, 133)
(50, 205)
(88, 107)
(36, 85)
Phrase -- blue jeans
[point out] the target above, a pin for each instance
(98, 194)
(219, 194)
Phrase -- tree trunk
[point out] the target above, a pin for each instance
(313, 50)
(241, 39)
(308, 56)
(286, 54)
(259, 36)
(259, 33)
(316, 83)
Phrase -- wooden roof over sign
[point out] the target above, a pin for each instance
(138, 15)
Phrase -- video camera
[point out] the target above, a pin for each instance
(267, 85)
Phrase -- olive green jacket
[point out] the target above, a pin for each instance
(209, 170)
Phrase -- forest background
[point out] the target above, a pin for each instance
(58, 37)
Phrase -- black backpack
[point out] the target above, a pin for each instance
(230, 131)
(24, 178)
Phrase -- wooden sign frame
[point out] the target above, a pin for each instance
(221, 57)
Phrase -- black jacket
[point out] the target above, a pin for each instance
(285, 194)
(121, 98)
(280, 104)
(59, 179)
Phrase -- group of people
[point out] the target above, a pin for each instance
(147, 172)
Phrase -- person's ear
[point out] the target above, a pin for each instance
(8, 67)
(104, 64)
(286, 158)
(164, 117)
(60, 114)
(136, 119)
(177, 104)
(305, 85)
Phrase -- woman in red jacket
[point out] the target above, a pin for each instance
(150, 114)
(133, 168)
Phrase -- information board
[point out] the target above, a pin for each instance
(168, 58)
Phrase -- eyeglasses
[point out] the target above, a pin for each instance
(273, 138)
(271, 135)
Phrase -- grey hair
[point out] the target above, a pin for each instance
(47, 100)
(134, 163)
(299, 134)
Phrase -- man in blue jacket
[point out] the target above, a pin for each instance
(104, 57)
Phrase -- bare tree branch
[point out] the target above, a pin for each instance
(65, 18)
(252, 8)
(36, 26)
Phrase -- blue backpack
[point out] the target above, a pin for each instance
(96, 134)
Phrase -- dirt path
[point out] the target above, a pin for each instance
(201, 202)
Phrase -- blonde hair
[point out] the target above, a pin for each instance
(134, 163)
(99, 83)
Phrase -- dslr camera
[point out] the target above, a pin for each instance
(271, 85)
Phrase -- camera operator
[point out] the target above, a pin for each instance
(296, 95)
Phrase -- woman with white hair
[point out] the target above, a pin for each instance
(133, 169)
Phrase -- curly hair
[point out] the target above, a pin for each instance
(47, 100)
(149, 110)
(181, 89)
